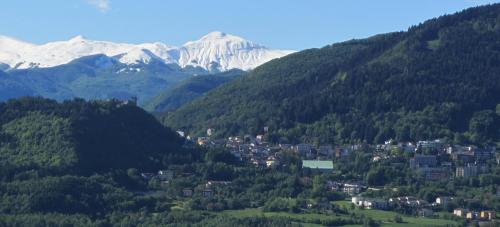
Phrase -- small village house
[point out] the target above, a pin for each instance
(187, 192)
(488, 214)
(460, 212)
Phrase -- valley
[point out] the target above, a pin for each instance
(395, 129)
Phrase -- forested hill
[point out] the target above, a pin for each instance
(83, 137)
(190, 89)
(438, 79)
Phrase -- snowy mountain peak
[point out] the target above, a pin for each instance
(228, 51)
(214, 35)
(218, 49)
(78, 38)
(137, 56)
(4, 40)
(219, 37)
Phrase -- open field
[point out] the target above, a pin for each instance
(385, 217)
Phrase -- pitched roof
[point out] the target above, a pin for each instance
(316, 164)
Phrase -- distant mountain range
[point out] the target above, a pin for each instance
(216, 51)
(102, 70)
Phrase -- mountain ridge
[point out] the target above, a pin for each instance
(91, 69)
(438, 79)
(188, 90)
(214, 51)
(94, 77)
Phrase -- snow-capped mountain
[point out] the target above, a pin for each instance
(225, 51)
(215, 51)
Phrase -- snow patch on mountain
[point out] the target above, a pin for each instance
(137, 56)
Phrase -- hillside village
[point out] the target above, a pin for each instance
(430, 160)
(365, 116)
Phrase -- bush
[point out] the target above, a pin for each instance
(398, 219)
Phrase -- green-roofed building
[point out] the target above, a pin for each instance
(323, 166)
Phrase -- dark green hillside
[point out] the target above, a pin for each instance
(438, 79)
(94, 77)
(189, 90)
(71, 163)
(80, 136)
(41, 140)
(11, 88)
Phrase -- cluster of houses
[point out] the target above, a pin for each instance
(460, 161)
(348, 188)
(370, 203)
(485, 215)
(261, 153)
(423, 208)
(206, 191)
(444, 162)
(165, 176)
(434, 160)
(257, 151)
(402, 201)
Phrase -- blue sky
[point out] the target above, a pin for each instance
(286, 24)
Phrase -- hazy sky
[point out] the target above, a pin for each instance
(286, 24)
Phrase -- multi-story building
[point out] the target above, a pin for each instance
(434, 173)
(352, 189)
(466, 171)
(421, 161)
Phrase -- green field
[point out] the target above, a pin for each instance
(309, 219)
(385, 216)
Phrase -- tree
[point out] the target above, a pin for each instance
(482, 126)
(319, 187)
(375, 177)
